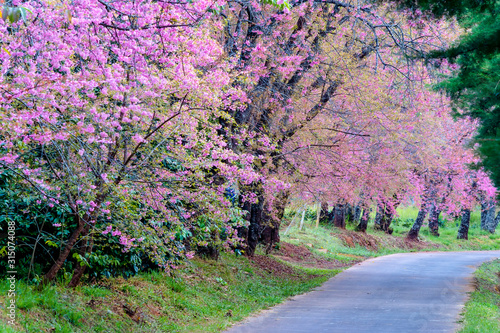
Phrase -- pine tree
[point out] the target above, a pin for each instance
(475, 86)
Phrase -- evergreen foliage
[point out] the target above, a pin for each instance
(475, 86)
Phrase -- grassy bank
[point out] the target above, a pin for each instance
(482, 311)
(344, 244)
(208, 296)
(478, 239)
(203, 296)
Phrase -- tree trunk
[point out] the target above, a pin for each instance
(386, 222)
(363, 223)
(87, 248)
(252, 233)
(318, 213)
(339, 219)
(387, 217)
(379, 216)
(263, 227)
(331, 216)
(494, 223)
(52, 273)
(463, 231)
(82, 229)
(484, 212)
(349, 213)
(323, 215)
(357, 213)
(434, 220)
(415, 229)
(302, 220)
(488, 215)
(271, 233)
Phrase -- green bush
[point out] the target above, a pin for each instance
(36, 223)
(41, 226)
(403, 222)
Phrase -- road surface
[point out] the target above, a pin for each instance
(406, 292)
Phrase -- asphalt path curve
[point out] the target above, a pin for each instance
(406, 292)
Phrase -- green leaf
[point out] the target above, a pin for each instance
(5, 12)
(51, 243)
(23, 14)
(29, 10)
(81, 260)
(14, 15)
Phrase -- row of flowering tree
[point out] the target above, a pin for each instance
(151, 130)
(335, 88)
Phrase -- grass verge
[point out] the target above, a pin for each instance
(208, 296)
(482, 311)
(347, 245)
(203, 296)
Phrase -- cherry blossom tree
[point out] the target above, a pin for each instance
(293, 61)
(110, 109)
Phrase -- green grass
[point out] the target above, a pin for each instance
(203, 296)
(321, 238)
(325, 236)
(482, 311)
(478, 239)
(208, 296)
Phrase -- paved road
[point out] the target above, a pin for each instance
(407, 292)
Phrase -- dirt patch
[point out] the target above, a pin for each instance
(302, 256)
(298, 252)
(373, 243)
(351, 239)
(275, 268)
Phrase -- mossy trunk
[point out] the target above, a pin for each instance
(388, 217)
(263, 223)
(363, 222)
(357, 213)
(323, 215)
(384, 216)
(379, 216)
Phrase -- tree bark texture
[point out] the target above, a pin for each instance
(487, 215)
(339, 219)
(387, 218)
(357, 213)
(349, 213)
(434, 220)
(463, 230)
(323, 215)
(484, 212)
(363, 222)
(52, 273)
(384, 216)
(263, 228)
(491, 227)
(415, 229)
(379, 216)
